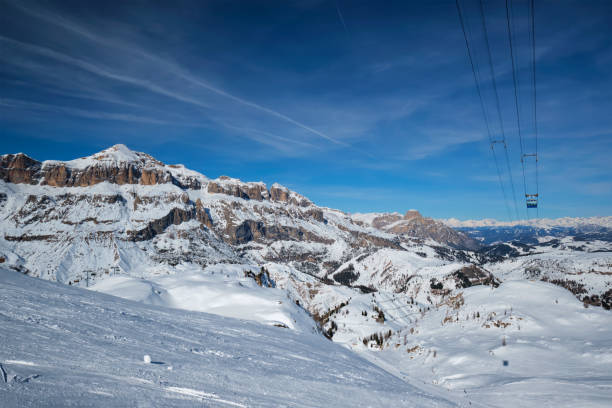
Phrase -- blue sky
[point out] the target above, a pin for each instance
(361, 106)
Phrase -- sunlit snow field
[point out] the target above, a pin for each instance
(63, 346)
(526, 343)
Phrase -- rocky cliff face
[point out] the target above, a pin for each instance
(116, 165)
(413, 224)
(19, 168)
(126, 204)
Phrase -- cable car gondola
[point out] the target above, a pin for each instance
(532, 200)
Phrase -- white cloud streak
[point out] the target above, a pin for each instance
(170, 67)
(20, 104)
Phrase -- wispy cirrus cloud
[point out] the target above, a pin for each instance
(160, 64)
(115, 116)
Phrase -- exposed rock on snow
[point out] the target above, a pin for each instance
(122, 205)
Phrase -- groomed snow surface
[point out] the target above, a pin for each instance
(65, 346)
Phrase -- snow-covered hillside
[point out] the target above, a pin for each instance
(220, 289)
(63, 346)
(582, 267)
(527, 344)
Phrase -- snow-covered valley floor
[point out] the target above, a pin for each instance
(65, 346)
(523, 344)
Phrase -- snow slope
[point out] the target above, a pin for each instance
(64, 346)
(557, 353)
(219, 289)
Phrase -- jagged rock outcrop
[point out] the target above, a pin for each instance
(262, 278)
(257, 191)
(282, 194)
(279, 193)
(251, 230)
(203, 214)
(19, 168)
(236, 188)
(315, 214)
(413, 224)
(473, 275)
(175, 217)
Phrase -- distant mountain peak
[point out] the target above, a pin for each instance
(116, 155)
(565, 222)
(119, 152)
(412, 214)
(412, 223)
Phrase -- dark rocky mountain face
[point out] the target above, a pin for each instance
(413, 224)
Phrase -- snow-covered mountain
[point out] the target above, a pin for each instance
(135, 215)
(565, 222)
(488, 231)
(383, 285)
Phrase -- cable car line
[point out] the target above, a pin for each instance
(501, 122)
(516, 99)
(531, 197)
(476, 73)
(535, 106)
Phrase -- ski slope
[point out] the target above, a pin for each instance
(65, 346)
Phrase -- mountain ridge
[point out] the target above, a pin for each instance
(569, 222)
(117, 198)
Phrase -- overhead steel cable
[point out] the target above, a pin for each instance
(497, 104)
(516, 100)
(482, 105)
(535, 94)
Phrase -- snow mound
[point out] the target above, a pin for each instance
(220, 289)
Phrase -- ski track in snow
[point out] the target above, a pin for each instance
(203, 395)
(101, 364)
